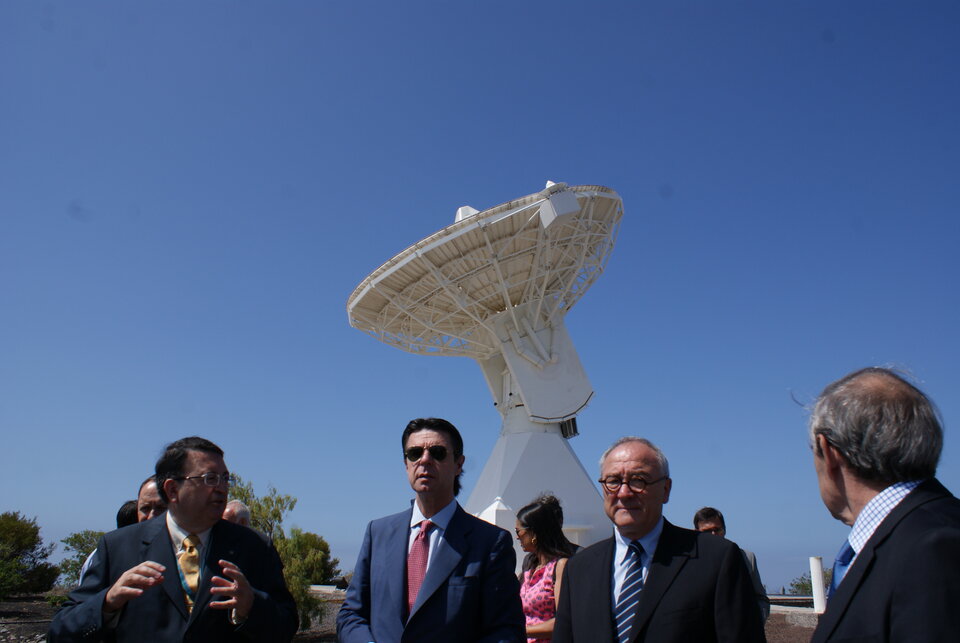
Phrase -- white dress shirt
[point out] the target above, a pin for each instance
(440, 521)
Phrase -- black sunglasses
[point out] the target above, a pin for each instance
(438, 453)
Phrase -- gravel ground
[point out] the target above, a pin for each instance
(26, 618)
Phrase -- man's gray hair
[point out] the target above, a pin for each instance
(661, 459)
(886, 428)
(240, 509)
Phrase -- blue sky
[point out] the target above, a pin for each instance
(189, 192)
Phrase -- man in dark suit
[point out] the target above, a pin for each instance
(876, 442)
(433, 573)
(186, 575)
(653, 582)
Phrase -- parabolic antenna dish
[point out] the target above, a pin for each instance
(495, 286)
(540, 252)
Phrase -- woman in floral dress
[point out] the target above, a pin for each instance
(540, 532)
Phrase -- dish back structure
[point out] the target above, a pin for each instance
(495, 286)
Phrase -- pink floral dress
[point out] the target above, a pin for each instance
(536, 593)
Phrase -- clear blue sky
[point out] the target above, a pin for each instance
(190, 191)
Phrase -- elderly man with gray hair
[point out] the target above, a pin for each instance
(653, 582)
(237, 512)
(876, 442)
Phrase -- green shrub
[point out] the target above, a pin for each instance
(23, 566)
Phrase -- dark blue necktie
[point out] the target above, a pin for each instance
(840, 566)
(629, 597)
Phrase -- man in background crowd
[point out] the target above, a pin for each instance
(237, 512)
(149, 502)
(127, 514)
(710, 520)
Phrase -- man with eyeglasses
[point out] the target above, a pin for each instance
(433, 573)
(653, 582)
(188, 575)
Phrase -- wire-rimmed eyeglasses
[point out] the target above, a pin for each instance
(637, 484)
(211, 479)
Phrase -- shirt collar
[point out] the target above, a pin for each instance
(178, 533)
(876, 510)
(441, 519)
(648, 542)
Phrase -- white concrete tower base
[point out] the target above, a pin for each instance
(529, 459)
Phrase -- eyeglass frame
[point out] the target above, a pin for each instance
(221, 478)
(628, 482)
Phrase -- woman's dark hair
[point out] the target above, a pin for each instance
(544, 519)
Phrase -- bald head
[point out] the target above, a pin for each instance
(237, 512)
(149, 503)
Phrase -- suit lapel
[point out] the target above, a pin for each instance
(601, 594)
(390, 561)
(856, 575)
(156, 546)
(673, 551)
(445, 559)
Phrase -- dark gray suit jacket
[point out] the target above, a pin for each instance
(160, 614)
(905, 583)
(698, 589)
(470, 592)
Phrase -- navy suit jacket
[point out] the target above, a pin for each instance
(470, 592)
(905, 583)
(698, 589)
(160, 613)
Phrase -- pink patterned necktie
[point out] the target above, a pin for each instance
(417, 563)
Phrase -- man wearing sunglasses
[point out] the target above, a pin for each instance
(433, 573)
(653, 582)
(187, 575)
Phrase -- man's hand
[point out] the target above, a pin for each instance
(132, 583)
(235, 590)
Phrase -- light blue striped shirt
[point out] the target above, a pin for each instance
(875, 511)
(621, 562)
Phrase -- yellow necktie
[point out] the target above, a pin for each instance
(189, 560)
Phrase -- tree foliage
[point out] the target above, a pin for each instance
(305, 555)
(266, 513)
(803, 586)
(80, 545)
(23, 566)
(306, 561)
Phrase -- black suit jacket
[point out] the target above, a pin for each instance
(160, 613)
(905, 583)
(698, 589)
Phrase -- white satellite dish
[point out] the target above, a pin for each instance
(495, 286)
